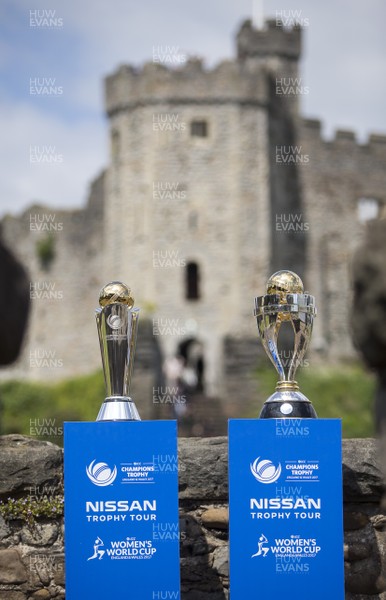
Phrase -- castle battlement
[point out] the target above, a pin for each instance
(345, 135)
(311, 129)
(376, 138)
(239, 81)
(155, 84)
(274, 40)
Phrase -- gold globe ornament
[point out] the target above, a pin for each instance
(116, 292)
(285, 282)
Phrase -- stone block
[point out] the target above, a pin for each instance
(12, 570)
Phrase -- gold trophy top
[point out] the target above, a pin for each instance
(285, 282)
(282, 283)
(116, 292)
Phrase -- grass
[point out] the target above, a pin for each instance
(343, 391)
(39, 409)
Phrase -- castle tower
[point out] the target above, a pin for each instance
(279, 51)
(188, 200)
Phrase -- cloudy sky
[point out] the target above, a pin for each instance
(343, 65)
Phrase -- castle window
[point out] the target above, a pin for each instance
(199, 129)
(368, 208)
(115, 145)
(192, 281)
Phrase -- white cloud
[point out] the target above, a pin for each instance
(83, 150)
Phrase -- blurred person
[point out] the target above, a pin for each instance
(173, 368)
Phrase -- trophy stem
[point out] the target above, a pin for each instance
(287, 386)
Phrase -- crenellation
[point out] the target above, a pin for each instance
(272, 41)
(228, 82)
(343, 135)
(196, 61)
(310, 131)
(312, 124)
(375, 138)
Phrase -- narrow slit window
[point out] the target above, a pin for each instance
(192, 281)
(115, 145)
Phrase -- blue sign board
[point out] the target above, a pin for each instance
(121, 510)
(286, 510)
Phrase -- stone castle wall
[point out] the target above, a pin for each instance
(61, 340)
(338, 175)
(168, 198)
(208, 226)
(32, 560)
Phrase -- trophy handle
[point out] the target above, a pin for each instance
(302, 326)
(269, 326)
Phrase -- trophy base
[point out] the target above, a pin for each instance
(290, 405)
(118, 408)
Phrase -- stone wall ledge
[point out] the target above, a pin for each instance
(203, 468)
(203, 464)
(32, 561)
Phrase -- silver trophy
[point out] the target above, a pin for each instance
(286, 301)
(117, 323)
